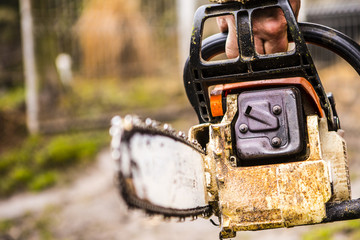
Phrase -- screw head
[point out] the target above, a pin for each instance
(276, 142)
(277, 110)
(243, 128)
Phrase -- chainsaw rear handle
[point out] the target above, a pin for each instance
(322, 36)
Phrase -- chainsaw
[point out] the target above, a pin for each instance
(267, 152)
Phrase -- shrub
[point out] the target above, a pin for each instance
(21, 175)
(43, 181)
(40, 161)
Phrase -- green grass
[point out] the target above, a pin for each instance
(40, 162)
(349, 229)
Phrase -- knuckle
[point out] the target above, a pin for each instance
(275, 28)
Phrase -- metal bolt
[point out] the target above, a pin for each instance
(276, 142)
(243, 128)
(277, 110)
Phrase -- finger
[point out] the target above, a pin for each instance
(227, 24)
(270, 31)
(259, 45)
(222, 24)
(232, 47)
(276, 45)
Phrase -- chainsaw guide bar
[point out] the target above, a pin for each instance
(176, 188)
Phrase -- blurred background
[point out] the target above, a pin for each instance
(68, 66)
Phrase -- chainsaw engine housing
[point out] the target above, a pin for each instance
(274, 195)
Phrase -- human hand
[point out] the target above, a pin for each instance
(269, 29)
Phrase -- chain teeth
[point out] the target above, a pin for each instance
(119, 125)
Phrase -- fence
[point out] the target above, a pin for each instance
(10, 46)
(97, 34)
(343, 17)
(94, 41)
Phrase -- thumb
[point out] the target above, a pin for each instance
(227, 24)
(232, 47)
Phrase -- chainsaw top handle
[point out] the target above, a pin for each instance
(200, 74)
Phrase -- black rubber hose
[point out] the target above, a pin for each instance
(334, 41)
